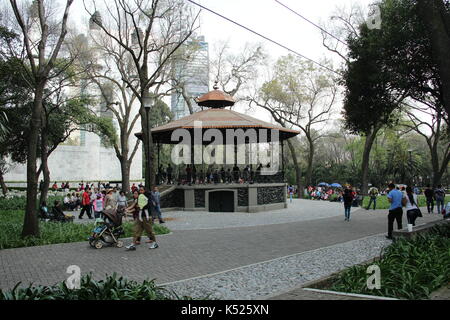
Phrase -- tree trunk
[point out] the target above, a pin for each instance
(125, 170)
(310, 161)
(148, 146)
(370, 138)
(44, 164)
(3, 184)
(298, 172)
(31, 223)
(434, 15)
(438, 170)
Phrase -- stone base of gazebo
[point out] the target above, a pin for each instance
(225, 197)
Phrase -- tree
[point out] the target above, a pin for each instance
(113, 66)
(436, 15)
(371, 97)
(434, 133)
(301, 96)
(234, 71)
(150, 32)
(41, 54)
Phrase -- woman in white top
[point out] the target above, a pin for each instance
(412, 209)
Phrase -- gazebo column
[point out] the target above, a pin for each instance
(159, 163)
(282, 158)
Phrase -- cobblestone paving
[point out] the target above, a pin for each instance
(192, 253)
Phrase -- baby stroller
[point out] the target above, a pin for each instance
(108, 229)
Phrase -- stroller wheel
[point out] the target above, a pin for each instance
(98, 244)
(119, 244)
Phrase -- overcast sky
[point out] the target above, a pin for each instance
(274, 21)
(270, 19)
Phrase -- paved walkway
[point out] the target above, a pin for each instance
(299, 210)
(222, 242)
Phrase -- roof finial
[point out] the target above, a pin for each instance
(216, 85)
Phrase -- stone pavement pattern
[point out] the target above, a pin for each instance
(193, 253)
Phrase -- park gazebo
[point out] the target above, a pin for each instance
(232, 132)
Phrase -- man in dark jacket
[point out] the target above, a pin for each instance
(429, 195)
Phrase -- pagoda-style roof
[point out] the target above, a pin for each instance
(217, 117)
(216, 99)
(221, 119)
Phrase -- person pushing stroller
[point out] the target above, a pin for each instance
(143, 221)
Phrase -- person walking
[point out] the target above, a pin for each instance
(412, 209)
(373, 194)
(291, 192)
(143, 222)
(429, 195)
(348, 201)
(110, 200)
(156, 202)
(98, 206)
(86, 205)
(397, 200)
(122, 200)
(439, 195)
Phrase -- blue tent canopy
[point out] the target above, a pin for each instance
(323, 184)
(336, 185)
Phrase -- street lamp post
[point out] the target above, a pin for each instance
(147, 101)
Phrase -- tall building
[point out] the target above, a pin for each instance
(193, 74)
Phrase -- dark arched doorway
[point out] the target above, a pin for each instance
(221, 201)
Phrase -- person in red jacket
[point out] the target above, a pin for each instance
(86, 204)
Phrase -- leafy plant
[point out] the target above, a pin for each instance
(51, 232)
(410, 269)
(111, 288)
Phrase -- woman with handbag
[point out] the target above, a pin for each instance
(412, 209)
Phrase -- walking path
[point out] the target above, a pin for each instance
(207, 246)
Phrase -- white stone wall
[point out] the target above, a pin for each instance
(84, 163)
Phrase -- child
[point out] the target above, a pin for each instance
(98, 206)
(142, 203)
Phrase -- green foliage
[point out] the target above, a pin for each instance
(19, 203)
(368, 102)
(409, 269)
(111, 288)
(11, 223)
(383, 203)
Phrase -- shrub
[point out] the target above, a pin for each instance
(51, 232)
(410, 269)
(19, 202)
(112, 288)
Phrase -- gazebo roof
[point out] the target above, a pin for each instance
(217, 118)
(216, 99)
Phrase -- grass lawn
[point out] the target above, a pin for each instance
(383, 203)
(410, 269)
(11, 222)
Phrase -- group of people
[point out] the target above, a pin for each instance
(65, 187)
(398, 198)
(93, 202)
(433, 195)
(56, 213)
(192, 175)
